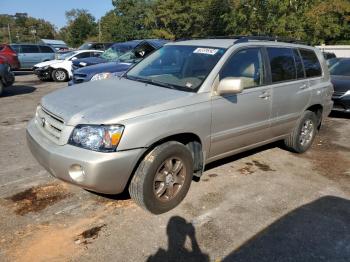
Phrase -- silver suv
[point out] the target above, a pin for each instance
(186, 105)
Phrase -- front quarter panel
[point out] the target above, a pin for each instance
(144, 131)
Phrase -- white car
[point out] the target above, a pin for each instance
(60, 69)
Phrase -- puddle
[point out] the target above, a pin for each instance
(37, 198)
(89, 234)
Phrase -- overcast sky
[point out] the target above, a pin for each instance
(54, 10)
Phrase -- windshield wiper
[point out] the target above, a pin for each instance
(150, 81)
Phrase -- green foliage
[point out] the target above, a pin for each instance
(24, 29)
(81, 26)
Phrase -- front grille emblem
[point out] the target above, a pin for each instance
(43, 122)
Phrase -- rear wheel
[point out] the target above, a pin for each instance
(300, 140)
(163, 178)
(60, 75)
(1, 87)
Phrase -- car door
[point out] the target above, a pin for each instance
(241, 120)
(290, 88)
(29, 56)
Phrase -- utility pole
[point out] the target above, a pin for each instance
(8, 28)
(99, 30)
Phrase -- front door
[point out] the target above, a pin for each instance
(243, 119)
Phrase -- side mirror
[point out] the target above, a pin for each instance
(230, 85)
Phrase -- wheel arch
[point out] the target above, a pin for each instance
(318, 110)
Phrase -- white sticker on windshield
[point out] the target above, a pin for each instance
(207, 51)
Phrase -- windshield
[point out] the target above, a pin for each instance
(85, 46)
(179, 67)
(65, 55)
(342, 68)
(113, 53)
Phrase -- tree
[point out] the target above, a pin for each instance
(81, 26)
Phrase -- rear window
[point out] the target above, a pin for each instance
(282, 64)
(311, 64)
(30, 49)
(2, 47)
(16, 48)
(46, 49)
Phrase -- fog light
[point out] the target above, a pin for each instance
(76, 172)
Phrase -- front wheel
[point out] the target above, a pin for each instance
(163, 178)
(300, 140)
(60, 75)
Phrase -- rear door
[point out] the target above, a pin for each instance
(241, 120)
(47, 53)
(290, 88)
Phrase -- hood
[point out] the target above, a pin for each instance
(110, 67)
(89, 61)
(341, 83)
(111, 101)
(48, 63)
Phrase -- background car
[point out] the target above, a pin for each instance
(60, 69)
(7, 78)
(10, 55)
(95, 46)
(340, 75)
(122, 61)
(30, 54)
(111, 54)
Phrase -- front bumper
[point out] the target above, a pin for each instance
(42, 72)
(341, 104)
(106, 173)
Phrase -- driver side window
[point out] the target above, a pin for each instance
(246, 65)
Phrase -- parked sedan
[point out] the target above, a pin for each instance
(10, 55)
(60, 69)
(7, 78)
(117, 67)
(340, 74)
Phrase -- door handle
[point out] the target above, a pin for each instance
(304, 86)
(265, 95)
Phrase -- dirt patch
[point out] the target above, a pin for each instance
(262, 166)
(38, 198)
(88, 235)
(213, 175)
(247, 169)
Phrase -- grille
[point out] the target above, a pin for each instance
(49, 124)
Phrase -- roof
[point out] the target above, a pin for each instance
(53, 42)
(221, 43)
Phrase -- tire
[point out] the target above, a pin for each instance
(301, 138)
(152, 176)
(60, 75)
(1, 87)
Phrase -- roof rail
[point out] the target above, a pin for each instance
(246, 38)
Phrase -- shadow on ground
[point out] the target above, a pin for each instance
(336, 114)
(178, 230)
(18, 90)
(319, 231)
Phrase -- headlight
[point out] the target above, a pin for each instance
(97, 138)
(101, 76)
(45, 67)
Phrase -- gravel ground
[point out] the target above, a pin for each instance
(263, 205)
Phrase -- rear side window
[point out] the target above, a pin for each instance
(30, 49)
(2, 47)
(299, 64)
(46, 49)
(282, 64)
(16, 48)
(311, 64)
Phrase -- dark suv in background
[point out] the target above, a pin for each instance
(31, 54)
